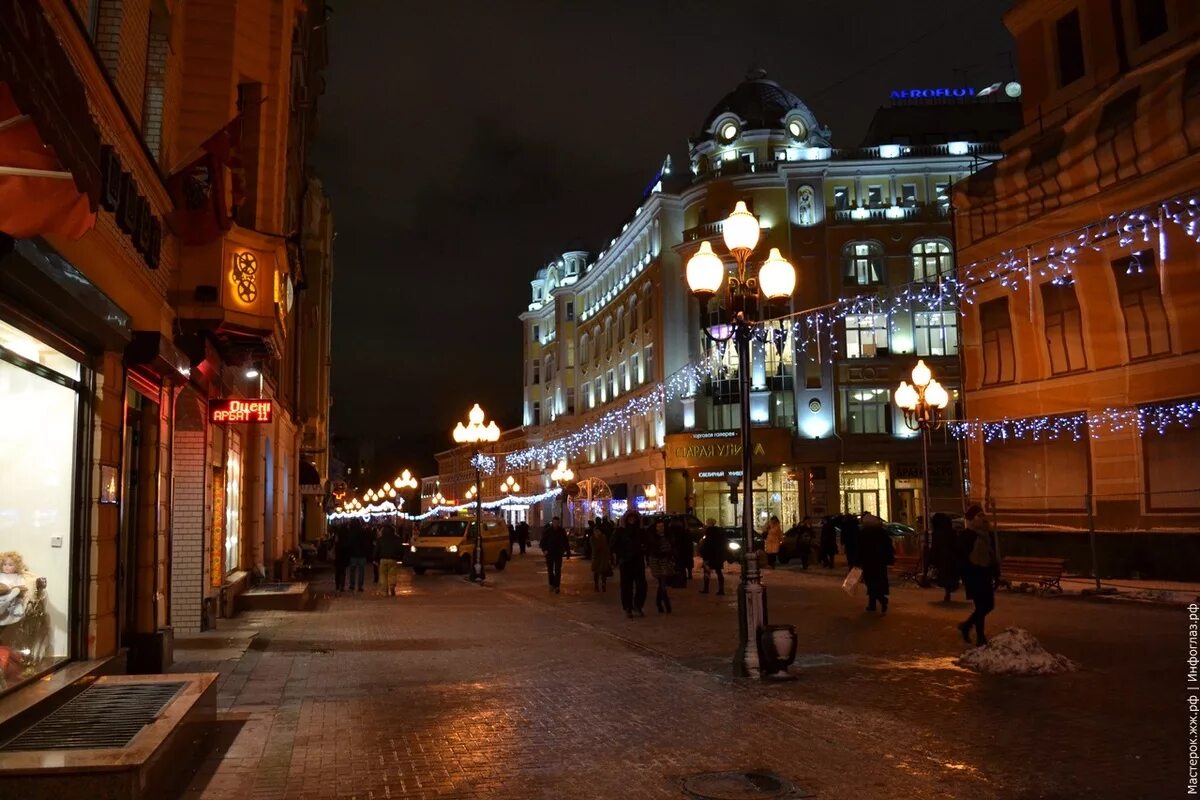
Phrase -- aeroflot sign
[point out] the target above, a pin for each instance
(922, 94)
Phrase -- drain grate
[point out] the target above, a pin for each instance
(748, 785)
(101, 716)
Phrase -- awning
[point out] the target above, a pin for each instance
(310, 479)
(37, 196)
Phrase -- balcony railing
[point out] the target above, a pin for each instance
(704, 231)
(924, 212)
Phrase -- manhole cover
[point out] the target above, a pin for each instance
(738, 786)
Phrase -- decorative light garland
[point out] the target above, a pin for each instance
(1157, 418)
(388, 510)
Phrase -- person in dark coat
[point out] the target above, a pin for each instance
(828, 542)
(875, 555)
(684, 552)
(944, 555)
(360, 544)
(629, 551)
(523, 535)
(981, 570)
(849, 526)
(661, 551)
(555, 546)
(601, 558)
(712, 555)
(341, 555)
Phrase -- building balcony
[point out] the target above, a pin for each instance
(238, 288)
(923, 212)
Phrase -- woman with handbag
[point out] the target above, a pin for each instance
(980, 573)
(662, 564)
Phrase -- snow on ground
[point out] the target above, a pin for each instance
(1015, 652)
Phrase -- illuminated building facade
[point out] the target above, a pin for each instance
(1087, 341)
(612, 340)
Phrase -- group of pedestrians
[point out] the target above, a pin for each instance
(356, 544)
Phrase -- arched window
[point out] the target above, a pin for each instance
(608, 334)
(620, 325)
(584, 352)
(862, 263)
(931, 258)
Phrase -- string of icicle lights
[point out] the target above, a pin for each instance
(1154, 418)
(815, 331)
(389, 511)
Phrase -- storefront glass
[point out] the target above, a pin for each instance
(775, 494)
(864, 488)
(39, 423)
(233, 503)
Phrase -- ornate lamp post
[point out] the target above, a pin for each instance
(923, 403)
(562, 476)
(707, 276)
(477, 433)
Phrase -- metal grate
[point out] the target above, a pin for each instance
(101, 716)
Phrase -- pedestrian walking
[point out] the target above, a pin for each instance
(875, 555)
(389, 549)
(849, 528)
(713, 550)
(341, 555)
(601, 558)
(829, 549)
(945, 554)
(629, 551)
(362, 543)
(523, 535)
(804, 542)
(683, 551)
(662, 564)
(555, 546)
(980, 573)
(773, 540)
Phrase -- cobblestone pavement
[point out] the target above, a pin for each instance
(506, 691)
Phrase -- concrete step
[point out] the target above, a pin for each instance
(275, 597)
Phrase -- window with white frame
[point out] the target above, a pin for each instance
(635, 372)
(865, 410)
(841, 198)
(935, 333)
(862, 263)
(908, 195)
(875, 197)
(623, 377)
(866, 334)
(932, 259)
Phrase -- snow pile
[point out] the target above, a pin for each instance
(1015, 652)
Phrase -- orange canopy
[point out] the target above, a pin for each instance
(37, 197)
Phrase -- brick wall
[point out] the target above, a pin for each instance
(189, 516)
(108, 34)
(109, 408)
(156, 84)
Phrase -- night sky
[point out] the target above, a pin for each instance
(466, 144)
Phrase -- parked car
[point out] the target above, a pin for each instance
(691, 522)
(450, 544)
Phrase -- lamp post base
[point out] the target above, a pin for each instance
(752, 615)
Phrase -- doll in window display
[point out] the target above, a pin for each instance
(24, 629)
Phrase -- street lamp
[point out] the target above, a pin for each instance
(707, 276)
(405, 481)
(477, 433)
(923, 403)
(510, 486)
(562, 475)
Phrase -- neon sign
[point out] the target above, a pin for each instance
(234, 410)
(923, 94)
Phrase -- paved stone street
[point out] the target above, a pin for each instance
(506, 691)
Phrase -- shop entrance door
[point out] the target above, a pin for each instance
(908, 506)
(860, 501)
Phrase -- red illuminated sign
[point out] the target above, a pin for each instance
(234, 410)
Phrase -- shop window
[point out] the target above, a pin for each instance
(866, 335)
(866, 410)
(1146, 327)
(864, 488)
(40, 389)
(936, 333)
(233, 503)
(1064, 328)
(999, 365)
(862, 263)
(932, 259)
(1069, 38)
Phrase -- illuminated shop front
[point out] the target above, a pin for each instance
(705, 461)
(41, 433)
(863, 488)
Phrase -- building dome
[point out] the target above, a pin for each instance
(760, 103)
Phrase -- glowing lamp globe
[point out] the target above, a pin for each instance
(492, 432)
(921, 374)
(475, 415)
(936, 395)
(705, 272)
(460, 433)
(777, 277)
(906, 396)
(740, 230)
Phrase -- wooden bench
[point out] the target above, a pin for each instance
(1045, 573)
(906, 568)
